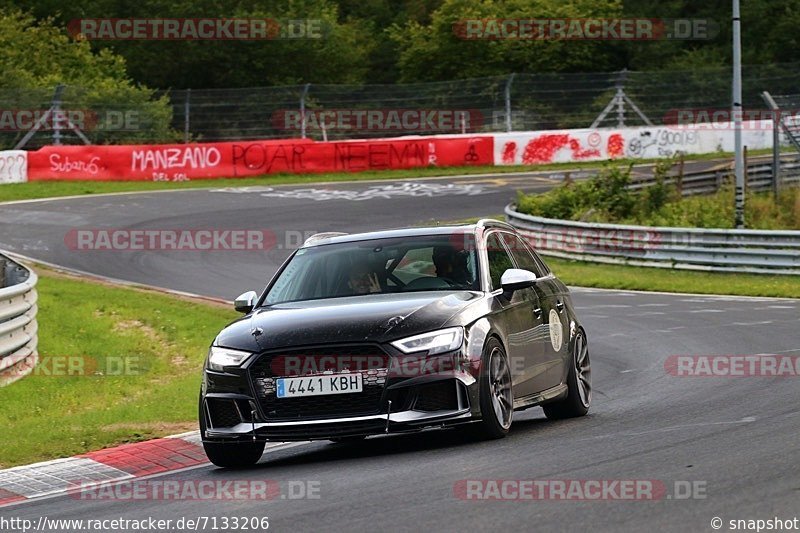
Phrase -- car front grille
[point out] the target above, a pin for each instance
(369, 360)
(439, 396)
(223, 413)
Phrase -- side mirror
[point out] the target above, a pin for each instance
(245, 302)
(515, 279)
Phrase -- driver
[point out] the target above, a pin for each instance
(450, 264)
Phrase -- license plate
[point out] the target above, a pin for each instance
(320, 385)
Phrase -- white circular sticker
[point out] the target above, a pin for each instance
(556, 330)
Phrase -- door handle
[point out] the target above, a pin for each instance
(560, 305)
(538, 312)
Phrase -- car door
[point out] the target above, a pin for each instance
(525, 330)
(543, 296)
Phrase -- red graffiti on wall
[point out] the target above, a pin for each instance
(543, 149)
(615, 146)
(578, 152)
(509, 153)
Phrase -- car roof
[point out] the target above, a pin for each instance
(321, 239)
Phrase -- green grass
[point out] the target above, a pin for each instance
(45, 416)
(585, 274)
(52, 189)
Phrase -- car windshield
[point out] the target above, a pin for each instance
(422, 263)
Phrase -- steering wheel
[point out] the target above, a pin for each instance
(429, 283)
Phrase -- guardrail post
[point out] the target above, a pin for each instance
(509, 123)
(303, 110)
(744, 167)
(56, 107)
(681, 162)
(776, 155)
(2, 272)
(186, 110)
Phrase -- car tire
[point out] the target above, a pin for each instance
(229, 454)
(496, 393)
(579, 384)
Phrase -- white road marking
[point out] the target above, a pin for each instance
(604, 306)
(745, 420)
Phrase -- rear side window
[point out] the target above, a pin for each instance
(499, 260)
(523, 255)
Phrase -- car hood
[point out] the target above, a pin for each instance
(368, 318)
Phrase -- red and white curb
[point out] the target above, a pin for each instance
(129, 461)
(103, 466)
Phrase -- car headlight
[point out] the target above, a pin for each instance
(219, 358)
(443, 340)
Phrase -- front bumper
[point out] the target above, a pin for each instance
(400, 422)
(241, 404)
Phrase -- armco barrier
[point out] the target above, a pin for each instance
(759, 177)
(251, 158)
(754, 251)
(18, 328)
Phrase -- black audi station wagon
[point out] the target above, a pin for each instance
(395, 331)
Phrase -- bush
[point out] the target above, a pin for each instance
(605, 198)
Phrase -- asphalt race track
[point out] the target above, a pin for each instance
(737, 438)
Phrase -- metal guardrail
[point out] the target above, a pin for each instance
(759, 177)
(18, 328)
(751, 251)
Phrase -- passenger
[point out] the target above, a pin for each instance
(363, 280)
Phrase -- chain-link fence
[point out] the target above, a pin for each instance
(517, 102)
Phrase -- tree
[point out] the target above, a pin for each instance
(35, 57)
(434, 51)
(340, 56)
